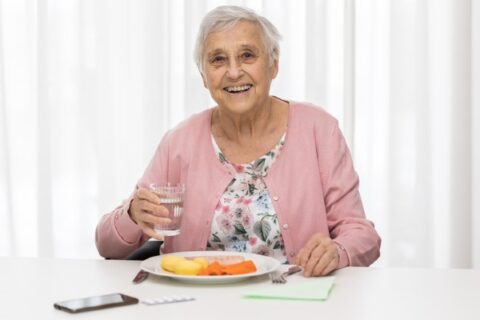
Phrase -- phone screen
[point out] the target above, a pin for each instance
(95, 303)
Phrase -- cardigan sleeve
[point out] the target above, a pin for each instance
(356, 238)
(117, 235)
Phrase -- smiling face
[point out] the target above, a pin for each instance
(236, 68)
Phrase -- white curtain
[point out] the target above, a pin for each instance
(88, 87)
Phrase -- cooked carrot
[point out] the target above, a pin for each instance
(213, 269)
(217, 269)
(246, 266)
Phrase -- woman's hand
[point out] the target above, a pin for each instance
(146, 211)
(319, 256)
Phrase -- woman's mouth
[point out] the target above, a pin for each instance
(238, 89)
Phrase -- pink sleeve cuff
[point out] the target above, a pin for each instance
(344, 260)
(126, 228)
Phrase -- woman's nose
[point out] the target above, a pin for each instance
(234, 70)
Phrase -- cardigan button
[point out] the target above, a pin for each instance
(292, 254)
(285, 226)
(275, 198)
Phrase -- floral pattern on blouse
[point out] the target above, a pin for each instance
(245, 219)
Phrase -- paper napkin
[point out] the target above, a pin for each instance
(316, 289)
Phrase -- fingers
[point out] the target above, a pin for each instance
(330, 267)
(327, 263)
(146, 211)
(150, 202)
(146, 221)
(149, 231)
(154, 209)
(147, 217)
(305, 253)
(145, 194)
(319, 256)
(147, 201)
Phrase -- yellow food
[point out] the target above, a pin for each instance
(183, 266)
(169, 262)
(187, 267)
(202, 261)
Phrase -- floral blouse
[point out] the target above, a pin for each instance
(245, 219)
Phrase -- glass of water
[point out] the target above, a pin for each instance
(171, 197)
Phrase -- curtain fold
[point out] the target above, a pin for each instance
(88, 87)
(6, 238)
(475, 127)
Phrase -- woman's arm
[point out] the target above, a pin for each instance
(347, 223)
(117, 235)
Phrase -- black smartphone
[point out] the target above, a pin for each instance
(95, 303)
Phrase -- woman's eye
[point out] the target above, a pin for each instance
(247, 55)
(218, 59)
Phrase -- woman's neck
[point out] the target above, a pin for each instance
(238, 127)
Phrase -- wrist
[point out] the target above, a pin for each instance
(129, 211)
(343, 260)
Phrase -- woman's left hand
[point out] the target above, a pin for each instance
(319, 256)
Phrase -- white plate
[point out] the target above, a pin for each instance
(264, 265)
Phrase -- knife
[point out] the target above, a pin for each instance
(140, 277)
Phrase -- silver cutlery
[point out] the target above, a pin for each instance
(281, 277)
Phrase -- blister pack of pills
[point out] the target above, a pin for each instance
(167, 299)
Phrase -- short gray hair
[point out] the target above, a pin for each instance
(225, 17)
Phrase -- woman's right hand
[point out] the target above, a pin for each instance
(146, 211)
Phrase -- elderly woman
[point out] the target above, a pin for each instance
(262, 174)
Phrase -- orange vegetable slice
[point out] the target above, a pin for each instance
(217, 269)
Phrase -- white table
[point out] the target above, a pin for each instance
(29, 287)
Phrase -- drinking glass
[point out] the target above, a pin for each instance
(171, 197)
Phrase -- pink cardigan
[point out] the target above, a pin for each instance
(312, 183)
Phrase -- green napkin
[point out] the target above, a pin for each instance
(316, 289)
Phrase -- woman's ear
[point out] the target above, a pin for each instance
(274, 69)
(203, 79)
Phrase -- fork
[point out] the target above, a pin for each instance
(281, 277)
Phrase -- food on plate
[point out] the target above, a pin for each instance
(188, 267)
(169, 262)
(241, 268)
(202, 261)
(217, 269)
(207, 265)
(181, 265)
(225, 260)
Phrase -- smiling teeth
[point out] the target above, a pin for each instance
(239, 88)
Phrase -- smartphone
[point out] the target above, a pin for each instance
(95, 303)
